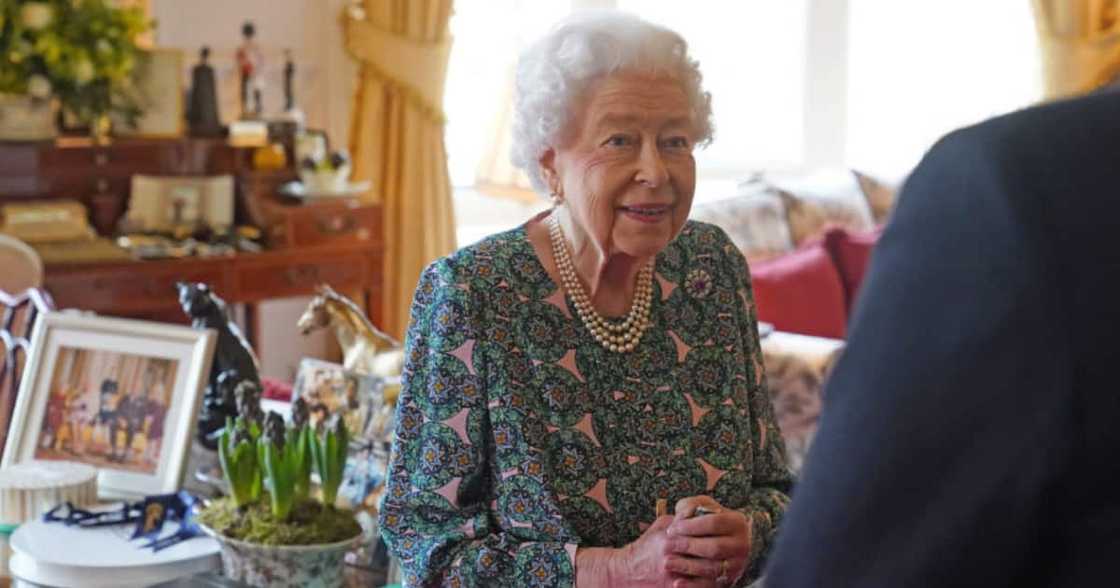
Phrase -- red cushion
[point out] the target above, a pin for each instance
(801, 292)
(851, 252)
(274, 389)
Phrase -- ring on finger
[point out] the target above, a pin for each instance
(723, 580)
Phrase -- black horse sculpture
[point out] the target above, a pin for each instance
(234, 361)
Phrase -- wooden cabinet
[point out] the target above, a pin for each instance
(311, 225)
(130, 288)
(100, 176)
(146, 289)
(334, 242)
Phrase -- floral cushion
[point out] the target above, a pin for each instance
(880, 196)
(813, 202)
(755, 220)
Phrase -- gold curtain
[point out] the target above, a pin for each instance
(1080, 43)
(396, 136)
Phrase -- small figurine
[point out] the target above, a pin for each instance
(289, 81)
(233, 363)
(250, 62)
(202, 113)
(365, 349)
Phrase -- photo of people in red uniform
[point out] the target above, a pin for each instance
(107, 409)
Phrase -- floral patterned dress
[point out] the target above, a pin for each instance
(520, 438)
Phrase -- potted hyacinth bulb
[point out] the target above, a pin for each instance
(274, 528)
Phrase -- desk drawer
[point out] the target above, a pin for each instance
(316, 225)
(148, 157)
(126, 291)
(298, 276)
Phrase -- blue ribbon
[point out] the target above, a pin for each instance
(150, 515)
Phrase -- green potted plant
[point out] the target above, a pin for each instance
(78, 54)
(273, 531)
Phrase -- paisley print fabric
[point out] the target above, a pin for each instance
(520, 438)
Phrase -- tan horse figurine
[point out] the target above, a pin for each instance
(365, 349)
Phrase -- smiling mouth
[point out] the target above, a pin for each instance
(646, 210)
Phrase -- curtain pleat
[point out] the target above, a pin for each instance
(397, 138)
(1080, 44)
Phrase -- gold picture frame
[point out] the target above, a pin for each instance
(158, 79)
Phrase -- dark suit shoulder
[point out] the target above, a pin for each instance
(1053, 131)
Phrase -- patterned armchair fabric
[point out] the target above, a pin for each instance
(796, 369)
(775, 213)
(822, 199)
(755, 220)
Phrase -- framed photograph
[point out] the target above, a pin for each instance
(163, 203)
(329, 389)
(120, 395)
(158, 78)
(367, 465)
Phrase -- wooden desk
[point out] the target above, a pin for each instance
(335, 241)
(146, 289)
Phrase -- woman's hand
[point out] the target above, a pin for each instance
(681, 551)
(699, 545)
(641, 564)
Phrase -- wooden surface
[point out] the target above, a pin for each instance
(146, 289)
(337, 242)
(100, 176)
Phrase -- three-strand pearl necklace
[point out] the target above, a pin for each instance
(620, 336)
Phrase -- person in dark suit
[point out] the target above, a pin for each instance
(969, 436)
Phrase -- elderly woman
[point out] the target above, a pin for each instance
(567, 379)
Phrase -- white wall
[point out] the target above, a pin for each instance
(310, 28)
(826, 82)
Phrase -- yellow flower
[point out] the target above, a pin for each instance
(83, 71)
(36, 15)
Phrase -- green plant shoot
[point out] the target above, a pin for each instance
(280, 467)
(298, 449)
(330, 458)
(238, 457)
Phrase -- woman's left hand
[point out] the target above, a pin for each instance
(713, 546)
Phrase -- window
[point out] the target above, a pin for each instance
(917, 70)
(870, 84)
(752, 55)
(487, 37)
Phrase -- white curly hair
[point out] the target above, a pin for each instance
(554, 71)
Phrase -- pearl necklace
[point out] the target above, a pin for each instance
(617, 336)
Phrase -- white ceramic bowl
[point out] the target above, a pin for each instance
(283, 566)
(325, 181)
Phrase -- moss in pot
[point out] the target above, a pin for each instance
(273, 532)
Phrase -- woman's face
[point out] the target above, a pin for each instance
(625, 165)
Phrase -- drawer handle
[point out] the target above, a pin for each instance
(301, 275)
(335, 224)
(101, 159)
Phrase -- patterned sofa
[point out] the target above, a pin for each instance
(808, 239)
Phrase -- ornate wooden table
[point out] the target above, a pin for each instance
(146, 289)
